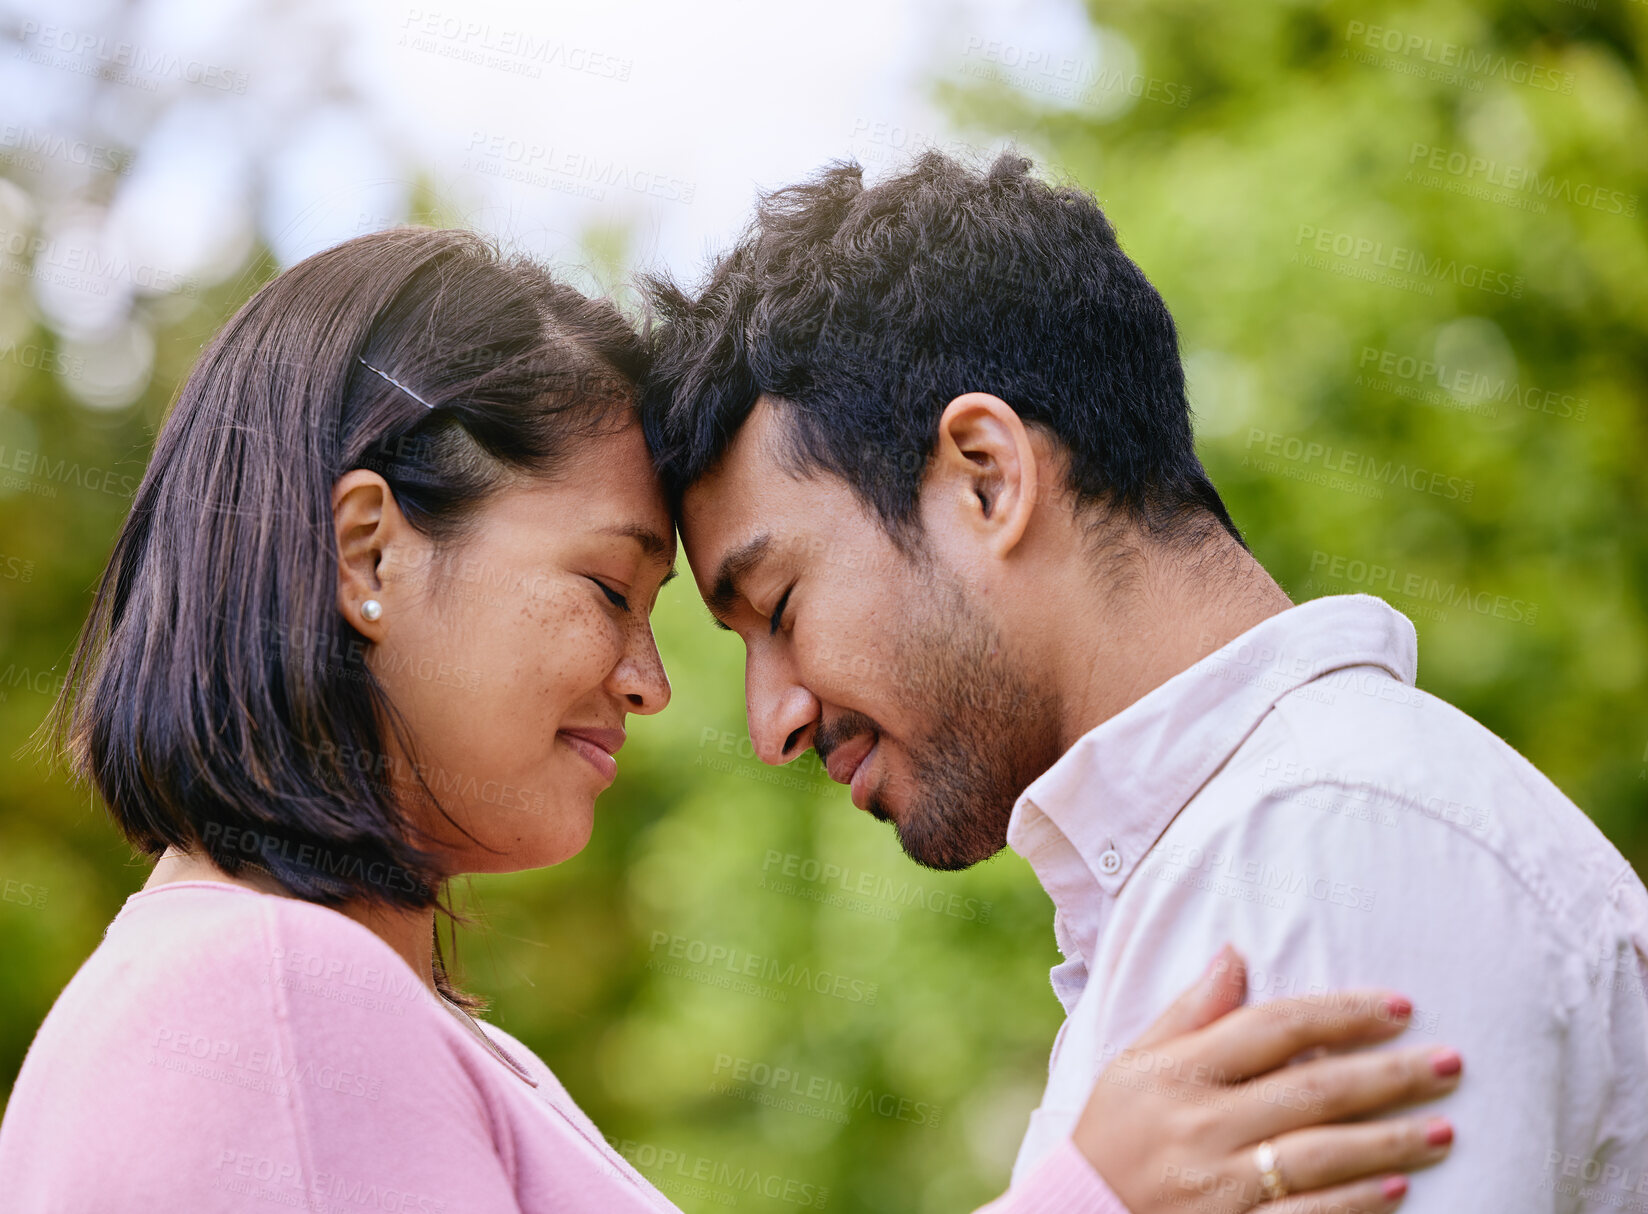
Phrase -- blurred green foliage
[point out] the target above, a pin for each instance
(1411, 277)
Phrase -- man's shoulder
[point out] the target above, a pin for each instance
(1358, 759)
(1361, 729)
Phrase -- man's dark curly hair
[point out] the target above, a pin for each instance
(866, 310)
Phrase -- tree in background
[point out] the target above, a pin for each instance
(1406, 252)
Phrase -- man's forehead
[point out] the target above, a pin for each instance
(714, 510)
(749, 482)
(758, 493)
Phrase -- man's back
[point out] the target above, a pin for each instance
(1343, 828)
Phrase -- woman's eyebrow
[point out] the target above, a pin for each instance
(654, 547)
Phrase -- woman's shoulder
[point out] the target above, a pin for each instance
(235, 1036)
(207, 975)
(177, 937)
(226, 993)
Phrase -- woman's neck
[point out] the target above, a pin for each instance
(411, 933)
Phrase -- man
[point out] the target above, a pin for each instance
(934, 463)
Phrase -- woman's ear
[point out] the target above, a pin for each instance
(985, 468)
(365, 521)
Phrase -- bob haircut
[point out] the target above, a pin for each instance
(217, 698)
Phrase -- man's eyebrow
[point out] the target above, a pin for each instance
(653, 546)
(724, 589)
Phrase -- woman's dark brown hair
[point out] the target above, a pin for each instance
(217, 699)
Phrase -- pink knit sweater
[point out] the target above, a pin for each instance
(226, 1050)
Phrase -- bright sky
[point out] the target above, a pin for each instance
(667, 117)
(306, 122)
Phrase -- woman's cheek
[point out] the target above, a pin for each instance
(606, 650)
(583, 641)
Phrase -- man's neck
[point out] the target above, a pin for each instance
(1139, 630)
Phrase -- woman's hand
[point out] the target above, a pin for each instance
(1174, 1122)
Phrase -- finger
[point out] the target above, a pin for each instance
(1345, 1085)
(1324, 1156)
(1253, 1040)
(1219, 990)
(1360, 1197)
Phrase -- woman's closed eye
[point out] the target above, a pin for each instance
(613, 597)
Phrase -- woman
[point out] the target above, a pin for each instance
(288, 694)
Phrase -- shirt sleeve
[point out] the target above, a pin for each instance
(1322, 891)
(1062, 1183)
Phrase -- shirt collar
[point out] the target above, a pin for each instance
(1086, 823)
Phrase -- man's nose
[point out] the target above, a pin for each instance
(783, 714)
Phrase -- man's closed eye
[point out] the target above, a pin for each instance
(778, 611)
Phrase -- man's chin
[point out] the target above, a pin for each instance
(945, 859)
(945, 845)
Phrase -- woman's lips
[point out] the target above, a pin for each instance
(597, 746)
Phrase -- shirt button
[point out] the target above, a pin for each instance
(1110, 863)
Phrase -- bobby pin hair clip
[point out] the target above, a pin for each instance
(394, 381)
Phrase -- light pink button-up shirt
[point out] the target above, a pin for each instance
(1296, 795)
(225, 1050)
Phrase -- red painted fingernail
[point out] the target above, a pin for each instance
(1440, 1133)
(1394, 1187)
(1398, 1008)
(1447, 1062)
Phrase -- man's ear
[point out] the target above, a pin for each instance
(984, 468)
(365, 522)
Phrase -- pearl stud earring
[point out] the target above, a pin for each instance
(371, 610)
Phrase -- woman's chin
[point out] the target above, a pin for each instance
(524, 848)
(574, 841)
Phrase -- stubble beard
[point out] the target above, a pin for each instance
(992, 733)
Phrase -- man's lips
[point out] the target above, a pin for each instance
(596, 745)
(847, 760)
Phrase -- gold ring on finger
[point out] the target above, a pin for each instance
(1270, 1171)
